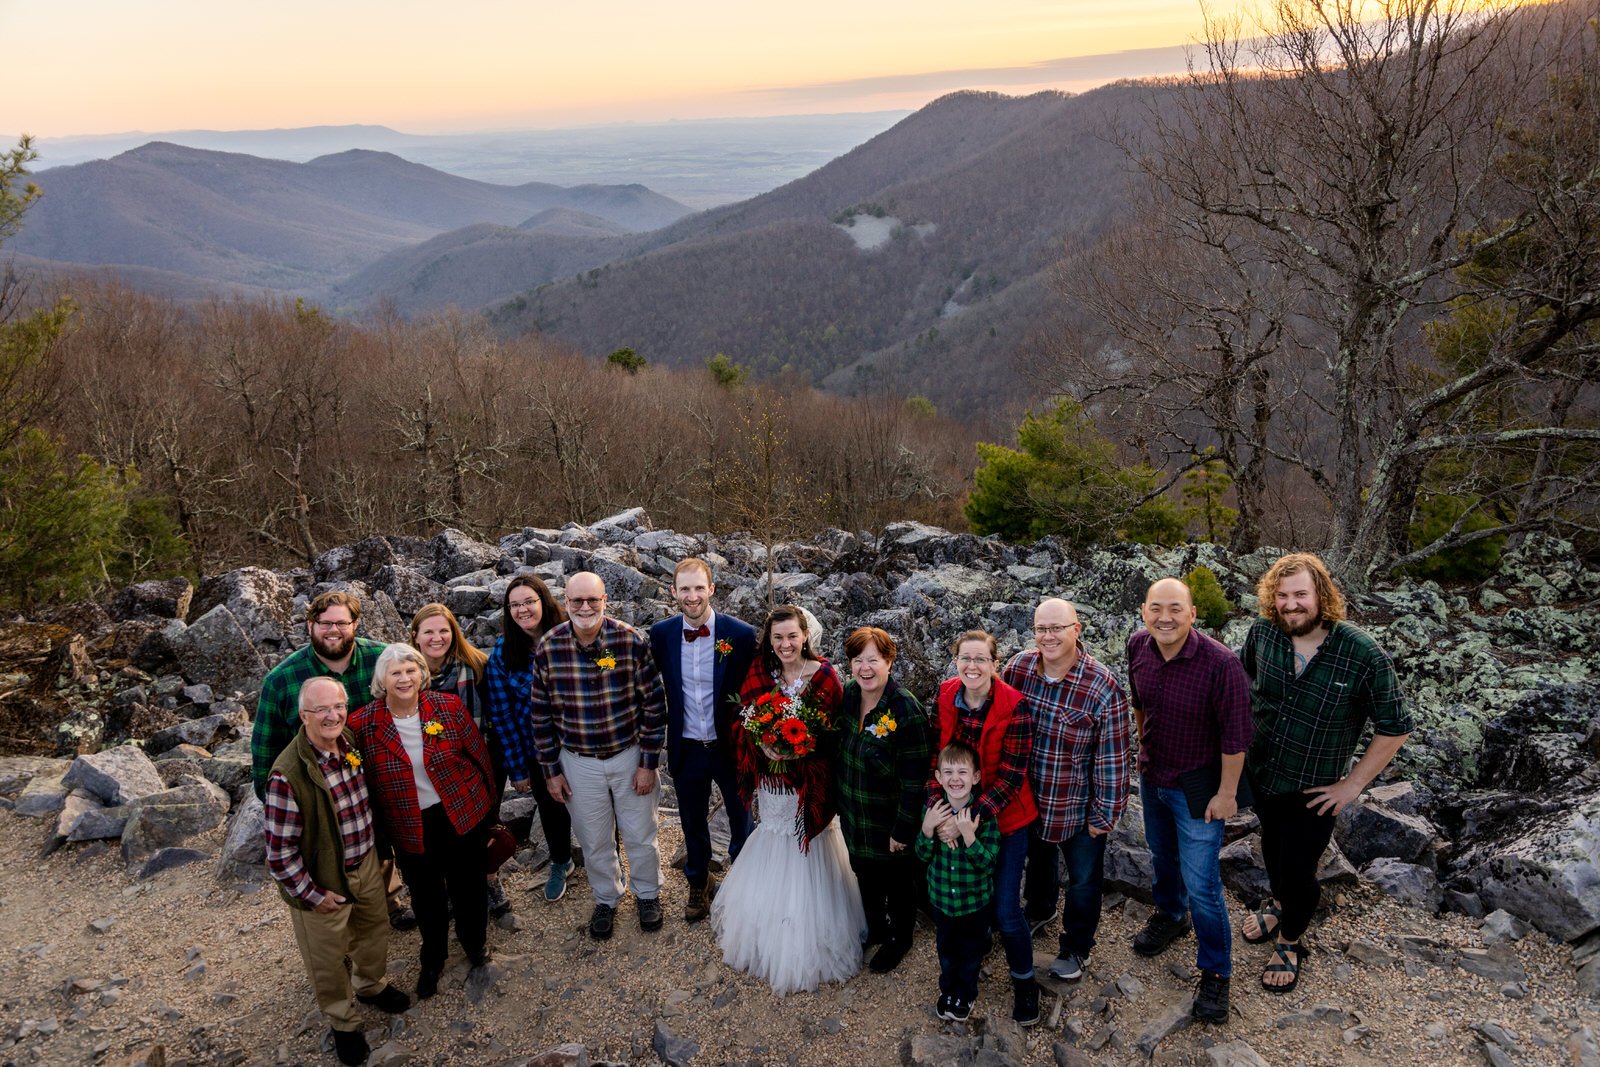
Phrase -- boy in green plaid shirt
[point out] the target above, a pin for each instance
(960, 880)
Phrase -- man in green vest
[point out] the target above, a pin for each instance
(320, 851)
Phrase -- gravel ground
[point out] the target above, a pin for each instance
(209, 971)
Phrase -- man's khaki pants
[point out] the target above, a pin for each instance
(358, 932)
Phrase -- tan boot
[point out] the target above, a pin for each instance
(699, 905)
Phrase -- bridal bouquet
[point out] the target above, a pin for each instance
(785, 726)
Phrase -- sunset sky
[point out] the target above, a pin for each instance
(107, 66)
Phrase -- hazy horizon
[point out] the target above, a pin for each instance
(497, 65)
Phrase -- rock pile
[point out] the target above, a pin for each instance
(1494, 804)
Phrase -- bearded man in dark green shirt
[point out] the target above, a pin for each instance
(1315, 681)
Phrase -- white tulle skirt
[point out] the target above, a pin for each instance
(791, 918)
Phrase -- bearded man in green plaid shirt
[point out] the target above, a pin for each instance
(1315, 682)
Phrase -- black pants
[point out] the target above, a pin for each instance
(554, 819)
(448, 875)
(962, 941)
(1293, 838)
(889, 895)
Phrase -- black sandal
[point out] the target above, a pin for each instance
(1263, 911)
(1281, 965)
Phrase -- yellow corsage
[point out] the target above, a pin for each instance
(433, 729)
(606, 662)
(884, 726)
(354, 759)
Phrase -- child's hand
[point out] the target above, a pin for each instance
(967, 824)
(936, 815)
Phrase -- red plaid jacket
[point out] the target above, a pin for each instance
(456, 759)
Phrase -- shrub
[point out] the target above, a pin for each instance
(1211, 604)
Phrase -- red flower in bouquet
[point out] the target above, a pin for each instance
(786, 726)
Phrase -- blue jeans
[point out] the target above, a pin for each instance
(1008, 917)
(1084, 858)
(697, 767)
(1188, 876)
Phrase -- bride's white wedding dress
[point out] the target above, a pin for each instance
(791, 918)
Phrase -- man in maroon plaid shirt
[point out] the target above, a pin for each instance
(1191, 709)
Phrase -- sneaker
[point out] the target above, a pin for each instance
(387, 999)
(1037, 926)
(351, 1047)
(402, 919)
(649, 915)
(1024, 1001)
(699, 906)
(1160, 930)
(1067, 967)
(555, 887)
(954, 1009)
(601, 920)
(498, 904)
(1211, 1002)
(941, 1007)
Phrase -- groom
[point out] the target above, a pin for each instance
(703, 658)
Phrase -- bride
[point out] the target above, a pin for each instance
(789, 912)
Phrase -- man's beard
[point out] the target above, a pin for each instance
(1309, 624)
(335, 648)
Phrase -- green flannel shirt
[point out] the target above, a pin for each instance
(278, 707)
(881, 778)
(961, 876)
(1307, 727)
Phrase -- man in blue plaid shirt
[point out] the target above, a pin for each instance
(599, 717)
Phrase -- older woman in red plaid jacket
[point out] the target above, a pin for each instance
(432, 785)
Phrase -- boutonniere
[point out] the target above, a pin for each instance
(603, 659)
(884, 726)
(723, 648)
(353, 758)
(434, 728)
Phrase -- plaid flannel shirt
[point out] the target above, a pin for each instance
(584, 707)
(283, 823)
(1308, 726)
(508, 712)
(1079, 772)
(278, 707)
(880, 778)
(961, 876)
(455, 759)
(1196, 705)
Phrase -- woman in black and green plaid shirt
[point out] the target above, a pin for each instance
(883, 766)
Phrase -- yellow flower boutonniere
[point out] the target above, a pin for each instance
(433, 729)
(884, 726)
(723, 647)
(354, 759)
(606, 662)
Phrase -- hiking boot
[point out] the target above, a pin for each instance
(649, 915)
(601, 922)
(351, 1047)
(1211, 1001)
(387, 999)
(498, 904)
(402, 919)
(699, 906)
(1025, 1001)
(1067, 967)
(1160, 930)
(555, 886)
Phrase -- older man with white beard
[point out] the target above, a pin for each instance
(599, 717)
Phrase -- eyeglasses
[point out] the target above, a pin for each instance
(330, 709)
(321, 625)
(1051, 631)
(525, 607)
(974, 661)
(585, 601)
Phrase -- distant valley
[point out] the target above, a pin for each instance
(917, 261)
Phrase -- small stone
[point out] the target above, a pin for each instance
(1234, 1054)
(1370, 954)
(1514, 990)
(101, 926)
(1496, 1034)
(1355, 1033)
(195, 973)
(674, 1051)
(1436, 1032)
(1174, 1017)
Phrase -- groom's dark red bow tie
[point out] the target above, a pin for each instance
(704, 631)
